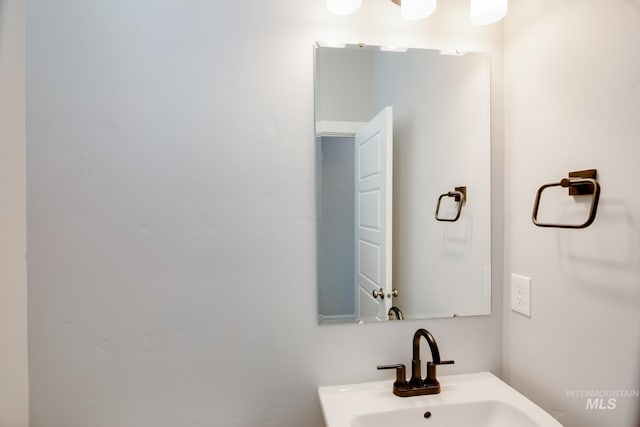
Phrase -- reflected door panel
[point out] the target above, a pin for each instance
(373, 188)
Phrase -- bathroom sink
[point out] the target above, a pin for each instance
(474, 400)
(481, 414)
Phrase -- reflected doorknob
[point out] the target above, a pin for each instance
(378, 293)
(393, 294)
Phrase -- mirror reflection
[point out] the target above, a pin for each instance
(400, 135)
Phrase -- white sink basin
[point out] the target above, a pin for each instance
(474, 400)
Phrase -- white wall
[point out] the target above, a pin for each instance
(13, 281)
(171, 212)
(572, 101)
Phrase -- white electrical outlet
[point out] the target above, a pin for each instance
(521, 294)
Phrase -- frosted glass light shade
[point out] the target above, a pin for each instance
(417, 9)
(485, 12)
(343, 7)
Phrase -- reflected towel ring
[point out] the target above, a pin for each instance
(579, 183)
(460, 196)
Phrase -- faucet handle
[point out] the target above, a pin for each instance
(431, 370)
(401, 374)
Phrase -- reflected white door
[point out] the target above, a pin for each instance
(373, 191)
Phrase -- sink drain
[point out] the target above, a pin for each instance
(427, 414)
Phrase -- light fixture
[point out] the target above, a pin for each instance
(416, 9)
(485, 12)
(343, 7)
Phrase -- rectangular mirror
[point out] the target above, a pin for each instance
(398, 136)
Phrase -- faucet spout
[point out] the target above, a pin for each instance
(416, 368)
(433, 346)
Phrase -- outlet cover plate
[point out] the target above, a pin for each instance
(521, 294)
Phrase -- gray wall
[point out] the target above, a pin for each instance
(14, 401)
(573, 102)
(336, 228)
(171, 228)
(344, 85)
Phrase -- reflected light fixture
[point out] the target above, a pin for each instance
(485, 12)
(343, 7)
(450, 52)
(393, 48)
(416, 9)
(332, 44)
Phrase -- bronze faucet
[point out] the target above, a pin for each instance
(417, 385)
(395, 312)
